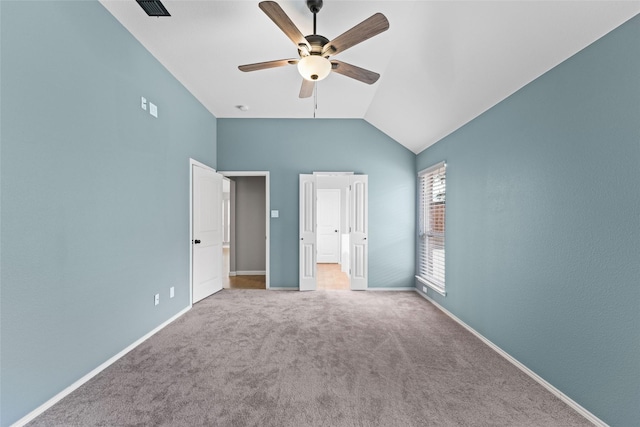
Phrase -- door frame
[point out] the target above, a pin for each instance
(351, 175)
(267, 215)
(193, 163)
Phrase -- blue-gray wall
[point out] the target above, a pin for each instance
(543, 225)
(95, 194)
(287, 148)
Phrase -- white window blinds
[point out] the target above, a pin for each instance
(432, 194)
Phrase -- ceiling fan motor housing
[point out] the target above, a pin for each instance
(316, 42)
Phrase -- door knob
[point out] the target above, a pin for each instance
(197, 241)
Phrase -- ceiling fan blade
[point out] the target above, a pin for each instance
(368, 28)
(269, 64)
(360, 74)
(306, 90)
(277, 15)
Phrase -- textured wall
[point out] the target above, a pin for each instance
(95, 194)
(543, 225)
(288, 148)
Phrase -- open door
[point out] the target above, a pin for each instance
(308, 278)
(206, 238)
(359, 228)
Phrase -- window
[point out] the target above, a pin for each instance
(431, 227)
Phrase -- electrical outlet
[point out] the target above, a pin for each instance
(424, 289)
(172, 292)
(143, 103)
(156, 299)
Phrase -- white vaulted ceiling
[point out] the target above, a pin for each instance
(442, 63)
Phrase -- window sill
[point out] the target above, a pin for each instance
(431, 285)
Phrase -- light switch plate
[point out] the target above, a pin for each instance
(153, 109)
(275, 214)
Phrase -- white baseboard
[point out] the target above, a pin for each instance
(408, 288)
(281, 288)
(232, 274)
(251, 273)
(560, 395)
(58, 397)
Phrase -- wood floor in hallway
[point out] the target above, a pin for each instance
(331, 278)
(239, 282)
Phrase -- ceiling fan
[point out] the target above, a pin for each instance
(314, 50)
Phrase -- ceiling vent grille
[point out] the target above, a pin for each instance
(153, 7)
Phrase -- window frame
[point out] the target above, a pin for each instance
(428, 239)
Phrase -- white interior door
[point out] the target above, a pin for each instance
(207, 232)
(359, 228)
(308, 279)
(328, 225)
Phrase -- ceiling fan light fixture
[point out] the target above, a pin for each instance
(314, 67)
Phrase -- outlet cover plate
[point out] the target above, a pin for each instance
(156, 299)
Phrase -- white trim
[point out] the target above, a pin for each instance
(405, 288)
(560, 395)
(267, 189)
(282, 288)
(431, 285)
(232, 274)
(251, 273)
(64, 393)
(321, 173)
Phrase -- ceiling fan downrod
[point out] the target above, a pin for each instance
(314, 6)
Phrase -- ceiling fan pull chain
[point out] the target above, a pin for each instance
(315, 100)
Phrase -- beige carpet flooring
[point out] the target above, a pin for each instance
(273, 358)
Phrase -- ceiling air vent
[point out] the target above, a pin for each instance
(153, 7)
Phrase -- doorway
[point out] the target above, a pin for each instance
(246, 253)
(333, 231)
(333, 244)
